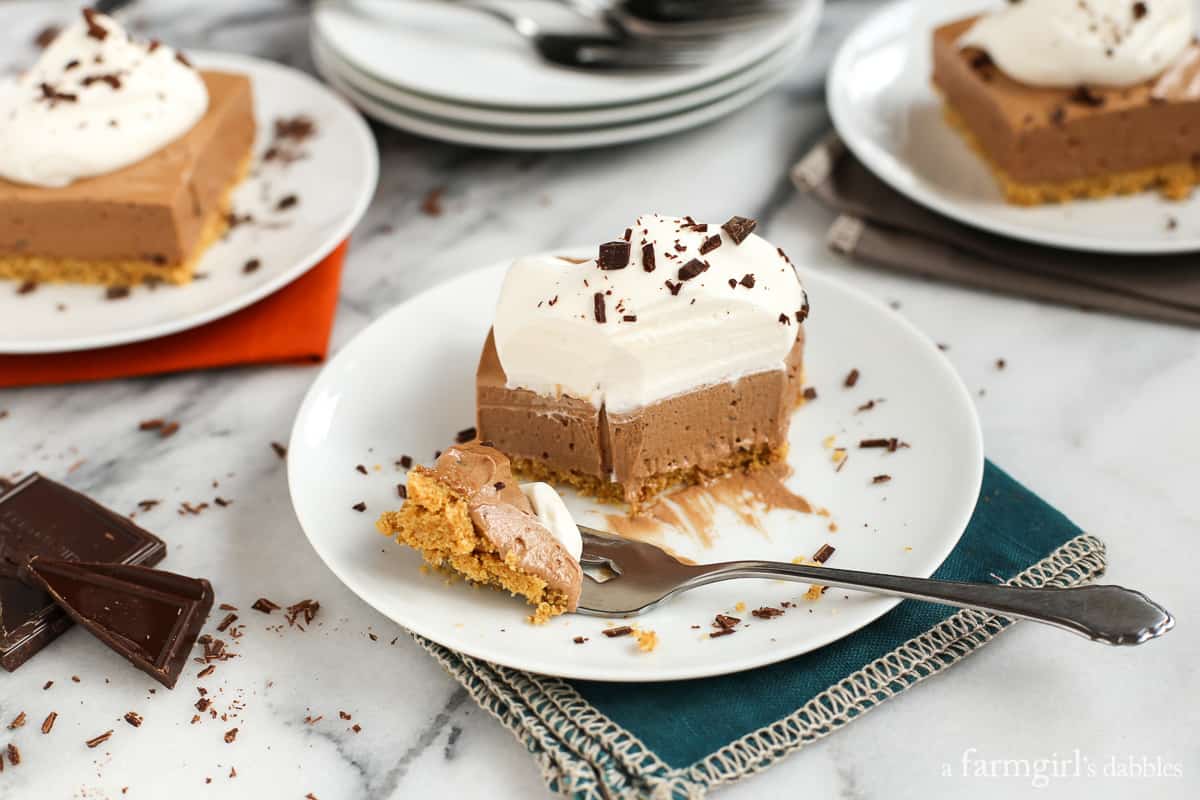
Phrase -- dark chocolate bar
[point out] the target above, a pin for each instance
(39, 517)
(150, 617)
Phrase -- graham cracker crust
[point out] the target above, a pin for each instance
(1174, 181)
(435, 521)
(127, 272)
(643, 494)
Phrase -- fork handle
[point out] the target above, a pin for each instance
(1110, 614)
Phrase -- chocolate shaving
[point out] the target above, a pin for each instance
(851, 379)
(306, 608)
(823, 554)
(401, 491)
(360, 506)
(99, 740)
(465, 435)
(251, 266)
(45, 36)
(204, 673)
(111, 78)
(613, 633)
(648, 257)
(802, 314)
(279, 449)
(27, 287)
(747, 280)
(94, 29)
(629, 318)
(739, 228)
(168, 430)
(691, 269)
(613, 255)
(725, 621)
(784, 319)
(767, 612)
(116, 293)
(133, 718)
(810, 393)
(360, 468)
(722, 632)
(891, 444)
(182, 59)
(264, 605)
(598, 308)
(1085, 96)
(674, 287)
(14, 755)
(710, 244)
(53, 96)
(18, 721)
(48, 722)
(226, 622)
(286, 202)
(579, 639)
(230, 735)
(881, 479)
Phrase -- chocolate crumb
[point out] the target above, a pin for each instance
(673, 287)
(784, 319)
(802, 314)
(401, 491)
(48, 722)
(359, 506)
(648, 257)
(733, 283)
(251, 266)
(810, 393)
(691, 269)
(613, 633)
(356, 728)
(27, 287)
(204, 673)
(465, 435)
(739, 228)
(168, 430)
(18, 721)
(598, 308)
(867, 406)
(499, 486)
(613, 255)
(722, 632)
(133, 718)
(851, 379)
(279, 449)
(1139, 10)
(431, 205)
(747, 280)
(891, 444)
(222, 502)
(1172, 223)
(725, 621)
(182, 59)
(14, 755)
(306, 608)
(286, 202)
(94, 29)
(96, 741)
(230, 735)
(629, 318)
(767, 612)
(1086, 96)
(264, 605)
(226, 622)
(823, 553)
(1001, 363)
(47, 685)
(116, 293)
(881, 479)
(710, 244)
(360, 468)
(579, 639)
(406, 462)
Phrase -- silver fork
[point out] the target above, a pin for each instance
(598, 51)
(693, 19)
(646, 576)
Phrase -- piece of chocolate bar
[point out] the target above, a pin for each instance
(150, 617)
(39, 517)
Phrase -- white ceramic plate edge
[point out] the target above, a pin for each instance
(358, 207)
(530, 662)
(888, 169)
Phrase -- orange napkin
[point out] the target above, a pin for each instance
(292, 325)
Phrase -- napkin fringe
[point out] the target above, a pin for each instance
(582, 753)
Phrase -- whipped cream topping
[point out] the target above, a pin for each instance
(1066, 43)
(680, 306)
(94, 102)
(552, 512)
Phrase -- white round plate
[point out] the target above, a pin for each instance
(405, 385)
(885, 109)
(334, 182)
(472, 115)
(769, 72)
(443, 53)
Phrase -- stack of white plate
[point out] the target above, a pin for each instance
(454, 74)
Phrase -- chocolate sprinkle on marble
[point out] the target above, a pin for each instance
(691, 269)
(598, 307)
(739, 228)
(613, 633)
(648, 257)
(710, 244)
(613, 255)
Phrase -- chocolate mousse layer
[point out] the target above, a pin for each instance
(499, 514)
(1038, 135)
(629, 457)
(158, 211)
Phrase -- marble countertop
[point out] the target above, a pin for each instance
(1097, 413)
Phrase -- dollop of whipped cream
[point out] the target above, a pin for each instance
(693, 305)
(552, 512)
(95, 101)
(1066, 43)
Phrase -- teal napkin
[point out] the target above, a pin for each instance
(678, 739)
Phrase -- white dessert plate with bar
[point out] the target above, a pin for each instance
(886, 110)
(406, 385)
(294, 210)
